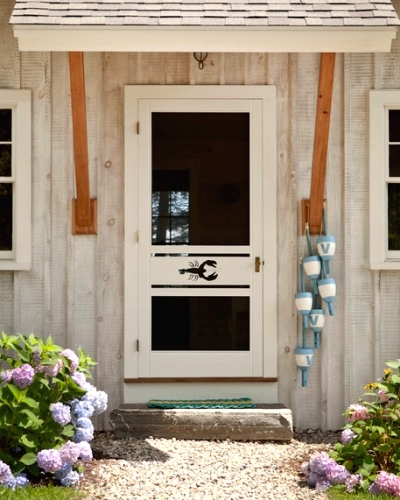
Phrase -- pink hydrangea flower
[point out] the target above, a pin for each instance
(69, 354)
(358, 412)
(383, 396)
(50, 370)
(386, 482)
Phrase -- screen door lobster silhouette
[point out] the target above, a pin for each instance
(200, 238)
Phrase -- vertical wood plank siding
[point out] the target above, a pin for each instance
(75, 288)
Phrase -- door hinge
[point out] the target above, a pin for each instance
(137, 128)
(137, 345)
(137, 236)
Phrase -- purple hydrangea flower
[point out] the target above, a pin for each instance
(98, 399)
(71, 479)
(82, 434)
(79, 378)
(23, 375)
(69, 354)
(6, 376)
(82, 408)
(69, 452)
(60, 413)
(36, 357)
(347, 436)
(358, 412)
(85, 451)
(5, 472)
(322, 485)
(319, 462)
(336, 474)
(352, 481)
(386, 482)
(49, 460)
(17, 481)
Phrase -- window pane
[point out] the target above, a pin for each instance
(201, 163)
(5, 160)
(394, 125)
(6, 197)
(5, 125)
(394, 216)
(200, 324)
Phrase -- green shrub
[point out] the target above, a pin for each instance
(45, 409)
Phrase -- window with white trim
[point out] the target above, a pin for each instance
(15, 179)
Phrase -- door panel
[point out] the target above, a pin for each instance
(199, 212)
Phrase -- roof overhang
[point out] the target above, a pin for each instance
(205, 39)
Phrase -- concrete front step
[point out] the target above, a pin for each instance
(266, 423)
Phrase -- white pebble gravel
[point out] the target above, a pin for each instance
(144, 469)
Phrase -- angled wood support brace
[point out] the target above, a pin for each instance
(312, 208)
(84, 210)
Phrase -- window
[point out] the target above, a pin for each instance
(15, 179)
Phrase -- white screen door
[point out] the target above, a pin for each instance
(198, 264)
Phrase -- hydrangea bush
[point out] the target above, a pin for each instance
(368, 458)
(46, 403)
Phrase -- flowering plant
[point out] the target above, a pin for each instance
(369, 453)
(45, 407)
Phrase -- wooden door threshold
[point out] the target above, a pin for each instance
(158, 380)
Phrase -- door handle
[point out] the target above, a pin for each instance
(257, 264)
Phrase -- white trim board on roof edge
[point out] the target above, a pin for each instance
(194, 39)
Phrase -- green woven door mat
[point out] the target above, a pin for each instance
(198, 404)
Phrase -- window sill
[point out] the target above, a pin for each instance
(387, 265)
(12, 265)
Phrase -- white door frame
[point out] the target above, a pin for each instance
(264, 97)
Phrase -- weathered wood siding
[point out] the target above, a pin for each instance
(75, 288)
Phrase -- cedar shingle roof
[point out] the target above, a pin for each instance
(273, 13)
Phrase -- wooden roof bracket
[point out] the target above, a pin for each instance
(84, 210)
(312, 208)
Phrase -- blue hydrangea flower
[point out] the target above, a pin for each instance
(82, 408)
(65, 469)
(5, 472)
(49, 460)
(71, 479)
(69, 452)
(17, 481)
(60, 413)
(69, 354)
(98, 399)
(85, 451)
(82, 434)
(84, 422)
(23, 376)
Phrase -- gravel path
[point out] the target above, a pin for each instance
(172, 469)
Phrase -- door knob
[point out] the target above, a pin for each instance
(257, 264)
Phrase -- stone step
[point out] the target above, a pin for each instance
(263, 423)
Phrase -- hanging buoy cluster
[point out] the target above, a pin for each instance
(309, 304)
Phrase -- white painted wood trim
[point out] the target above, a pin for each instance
(380, 102)
(20, 258)
(205, 39)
